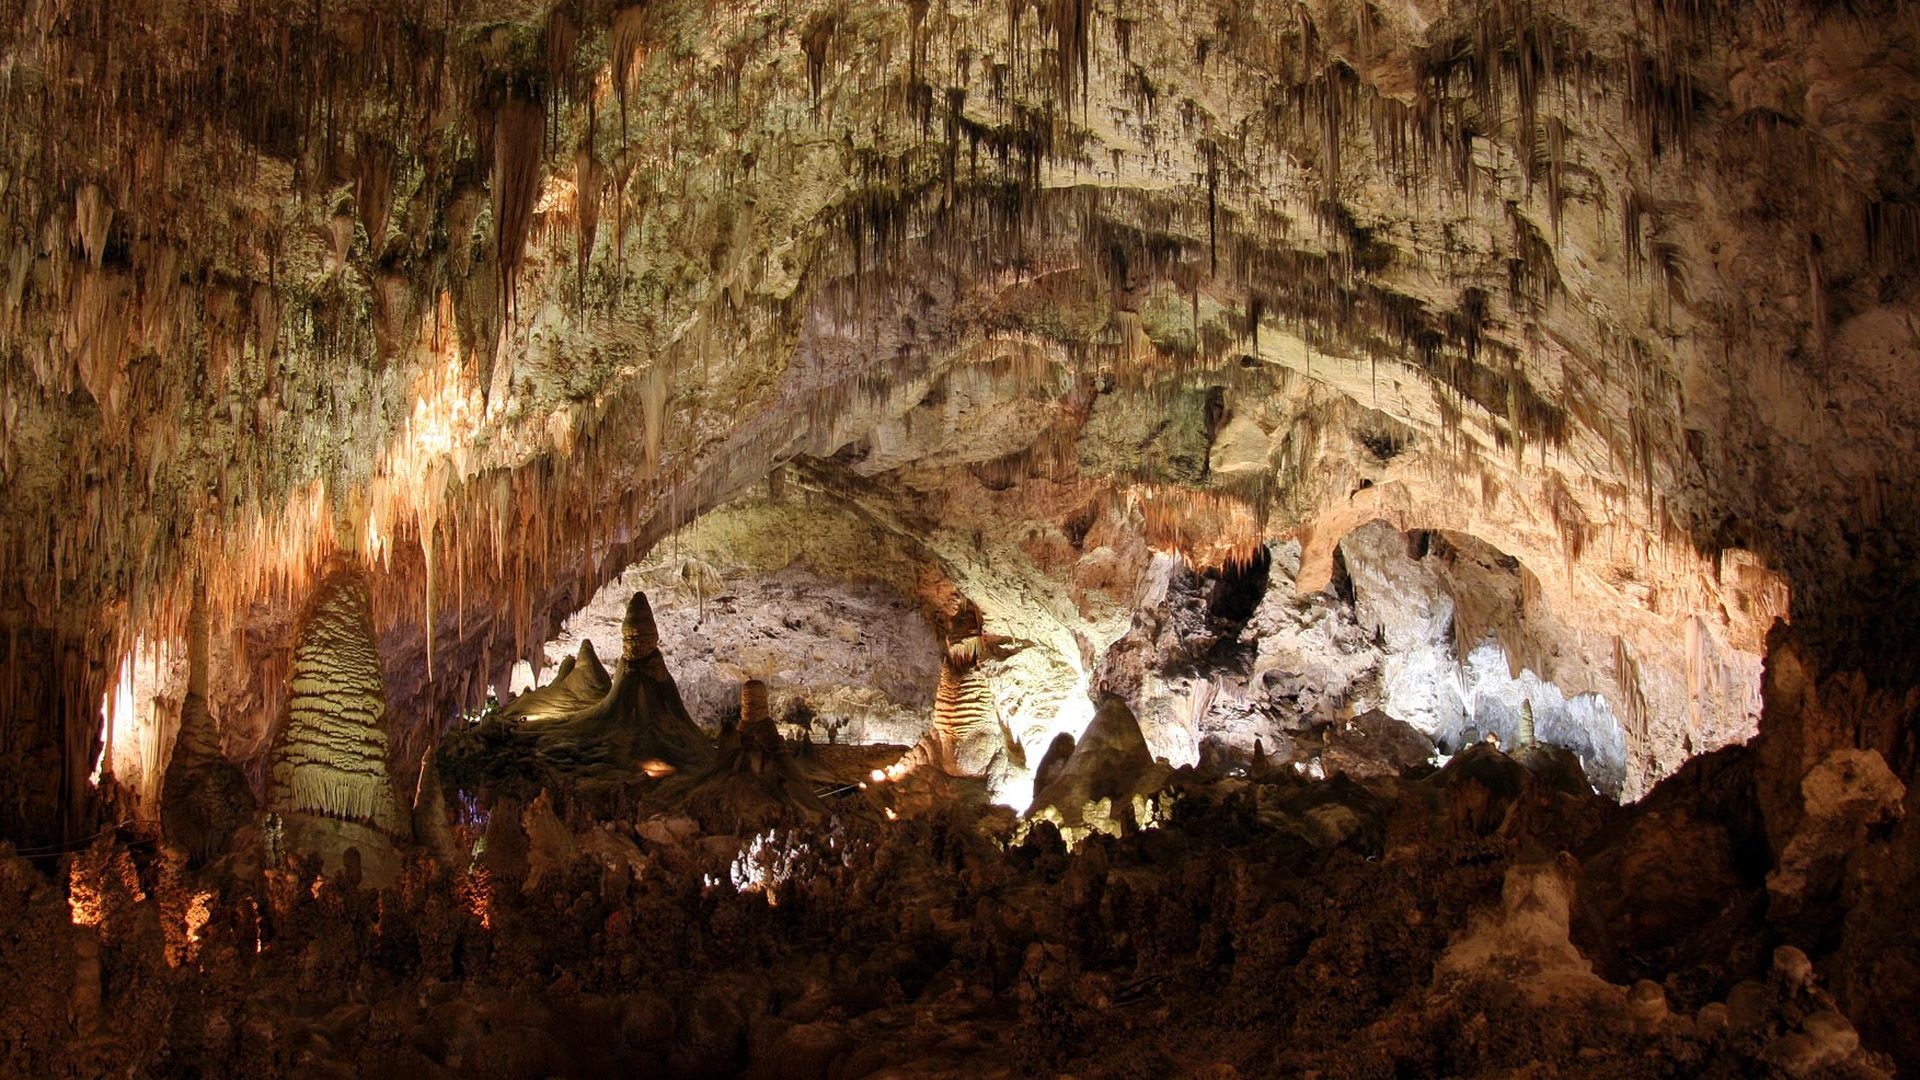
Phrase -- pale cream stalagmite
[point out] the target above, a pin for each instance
(967, 737)
(1108, 782)
(330, 759)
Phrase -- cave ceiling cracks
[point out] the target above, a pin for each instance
(492, 294)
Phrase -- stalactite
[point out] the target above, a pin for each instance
(519, 142)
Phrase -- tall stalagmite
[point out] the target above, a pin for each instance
(967, 737)
(204, 797)
(328, 774)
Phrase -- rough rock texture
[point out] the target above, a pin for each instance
(1262, 926)
(1373, 744)
(1217, 658)
(417, 284)
(1109, 781)
(636, 726)
(205, 798)
(330, 757)
(1848, 793)
(804, 598)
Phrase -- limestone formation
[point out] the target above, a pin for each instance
(328, 775)
(1109, 781)
(967, 738)
(1373, 744)
(578, 683)
(638, 721)
(634, 727)
(204, 798)
(330, 757)
(1847, 793)
(754, 781)
(1059, 751)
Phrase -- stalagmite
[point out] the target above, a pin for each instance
(1108, 783)
(204, 798)
(753, 783)
(578, 683)
(636, 727)
(967, 737)
(327, 774)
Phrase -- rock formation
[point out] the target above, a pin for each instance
(1543, 374)
(1372, 744)
(1108, 782)
(579, 683)
(328, 778)
(205, 798)
(967, 737)
(754, 782)
(635, 726)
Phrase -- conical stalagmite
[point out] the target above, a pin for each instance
(328, 777)
(565, 732)
(639, 720)
(432, 826)
(753, 783)
(204, 798)
(1109, 771)
(1059, 751)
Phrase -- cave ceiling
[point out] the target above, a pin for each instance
(493, 296)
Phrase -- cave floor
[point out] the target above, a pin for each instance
(1263, 925)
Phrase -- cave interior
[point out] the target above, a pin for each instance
(1082, 538)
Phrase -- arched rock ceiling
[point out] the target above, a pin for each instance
(1631, 282)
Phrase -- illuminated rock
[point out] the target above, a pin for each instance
(578, 684)
(635, 727)
(327, 777)
(967, 738)
(1109, 782)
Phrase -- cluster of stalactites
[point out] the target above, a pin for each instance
(1521, 52)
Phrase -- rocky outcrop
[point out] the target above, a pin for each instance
(1841, 798)
(1372, 744)
(1108, 783)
